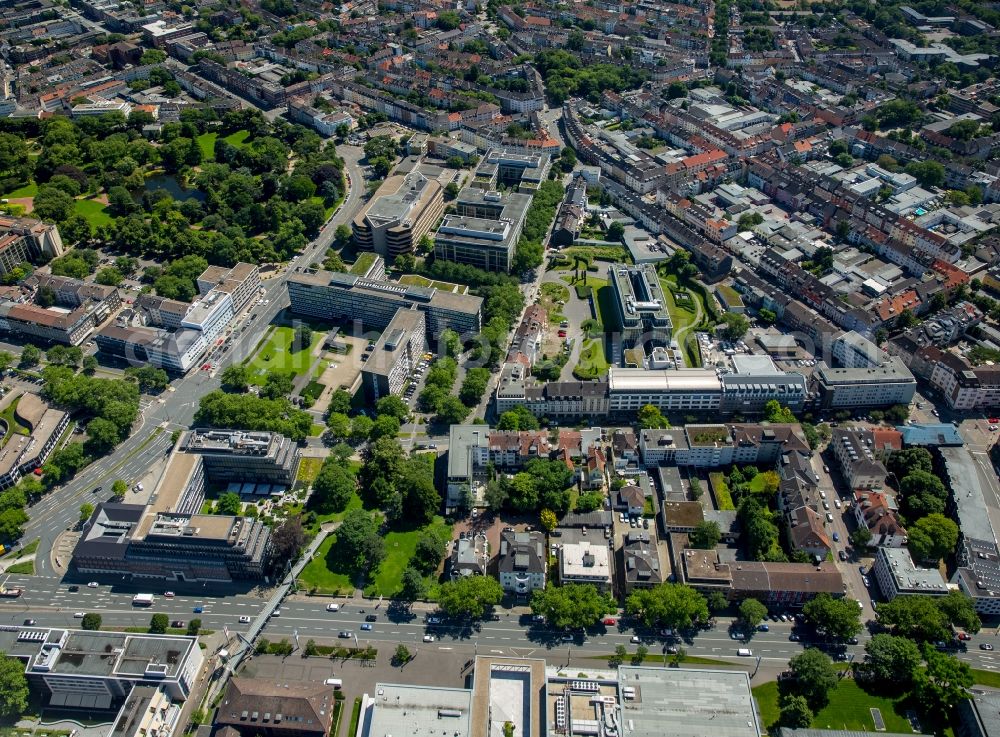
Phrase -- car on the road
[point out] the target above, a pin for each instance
(276, 612)
(434, 620)
(428, 638)
(98, 489)
(763, 628)
(610, 621)
(836, 537)
(538, 618)
(826, 469)
(842, 554)
(793, 637)
(852, 641)
(29, 622)
(965, 636)
(995, 420)
(866, 581)
(371, 618)
(783, 617)
(178, 623)
(333, 607)
(73, 588)
(92, 585)
(985, 646)
(635, 639)
(736, 635)
(366, 627)
(343, 634)
(837, 504)
(861, 570)
(78, 615)
(168, 594)
(198, 610)
(567, 637)
(244, 619)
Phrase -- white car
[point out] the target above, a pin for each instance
(92, 585)
(244, 619)
(428, 638)
(636, 639)
(168, 594)
(333, 607)
(77, 615)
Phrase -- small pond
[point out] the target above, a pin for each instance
(169, 183)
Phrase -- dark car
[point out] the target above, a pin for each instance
(29, 622)
(177, 623)
(74, 587)
(197, 610)
(98, 489)
(344, 634)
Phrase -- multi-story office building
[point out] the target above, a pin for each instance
(640, 307)
(241, 283)
(14, 251)
(147, 712)
(898, 575)
(172, 351)
(693, 390)
(96, 671)
(373, 302)
(396, 354)
(586, 562)
(884, 385)
(40, 240)
(241, 455)
(853, 350)
(755, 381)
(210, 315)
(484, 229)
(502, 166)
(24, 453)
(168, 540)
(402, 210)
(162, 312)
(79, 308)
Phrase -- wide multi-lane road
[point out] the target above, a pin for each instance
(175, 409)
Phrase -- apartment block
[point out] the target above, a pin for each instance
(79, 308)
(898, 575)
(586, 562)
(241, 283)
(856, 388)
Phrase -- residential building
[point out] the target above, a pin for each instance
(42, 241)
(259, 706)
(640, 307)
(755, 381)
(859, 457)
(521, 562)
(397, 352)
(468, 457)
(484, 229)
(96, 671)
(22, 454)
(402, 210)
(210, 315)
(641, 558)
(468, 557)
(898, 575)
(778, 585)
(78, 310)
(853, 350)
(374, 302)
(511, 449)
(585, 562)
(879, 512)
(243, 455)
(241, 283)
(592, 471)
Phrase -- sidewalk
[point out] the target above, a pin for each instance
(5, 564)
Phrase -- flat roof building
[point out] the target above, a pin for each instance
(898, 575)
(92, 670)
(521, 562)
(372, 303)
(399, 709)
(889, 383)
(640, 306)
(585, 562)
(396, 354)
(692, 702)
(403, 209)
(22, 454)
(244, 455)
(484, 229)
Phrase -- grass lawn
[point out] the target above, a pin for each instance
(309, 469)
(206, 142)
(592, 363)
(27, 568)
(315, 430)
(30, 547)
(316, 575)
(722, 496)
(986, 678)
(13, 426)
(399, 548)
(417, 280)
(275, 354)
(683, 315)
(95, 213)
(28, 190)
(237, 139)
(848, 709)
(363, 263)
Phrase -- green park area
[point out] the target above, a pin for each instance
(238, 138)
(593, 363)
(96, 213)
(687, 313)
(206, 142)
(399, 549)
(277, 354)
(849, 708)
(28, 190)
